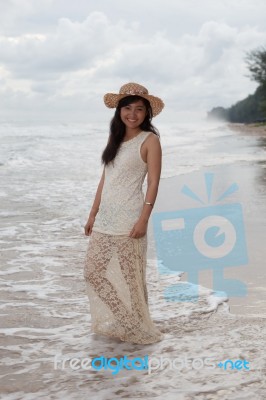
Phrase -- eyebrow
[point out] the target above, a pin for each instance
(139, 106)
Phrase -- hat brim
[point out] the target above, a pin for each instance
(111, 100)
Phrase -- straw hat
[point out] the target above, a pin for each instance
(134, 89)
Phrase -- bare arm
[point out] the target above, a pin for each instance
(95, 206)
(97, 200)
(154, 163)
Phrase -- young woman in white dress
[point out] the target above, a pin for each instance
(115, 265)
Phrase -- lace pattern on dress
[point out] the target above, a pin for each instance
(115, 277)
(122, 196)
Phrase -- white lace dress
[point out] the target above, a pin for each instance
(115, 264)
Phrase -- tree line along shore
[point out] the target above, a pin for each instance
(252, 109)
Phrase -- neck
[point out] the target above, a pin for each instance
(130, 133)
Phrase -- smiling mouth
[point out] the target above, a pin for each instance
(132, 120)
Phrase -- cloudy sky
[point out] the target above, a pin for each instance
(59, 57)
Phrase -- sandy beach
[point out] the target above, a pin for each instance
(214, 347)
(249, 129)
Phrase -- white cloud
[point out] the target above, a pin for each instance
(72, 46)
(191, 56)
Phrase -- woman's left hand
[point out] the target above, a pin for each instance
(139, 229)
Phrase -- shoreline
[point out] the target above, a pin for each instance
(46, 313)
(249, 129)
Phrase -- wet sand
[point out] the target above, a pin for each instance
(249, 129)
(256, 225)
(252, 199)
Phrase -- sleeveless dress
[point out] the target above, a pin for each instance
(115, 264)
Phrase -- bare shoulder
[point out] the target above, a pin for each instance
(152, 140)
(153, 136)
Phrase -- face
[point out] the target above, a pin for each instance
(133, 114)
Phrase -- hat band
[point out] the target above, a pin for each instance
(136, 92)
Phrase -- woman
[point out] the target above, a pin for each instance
(115, 265)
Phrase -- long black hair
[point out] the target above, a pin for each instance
(118, 128)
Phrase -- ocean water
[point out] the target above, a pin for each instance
(49, 176)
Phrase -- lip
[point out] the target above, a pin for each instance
(132, 120)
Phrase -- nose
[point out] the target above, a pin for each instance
(133, 112)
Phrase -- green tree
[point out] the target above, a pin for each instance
(256, 61)
(253, 107)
